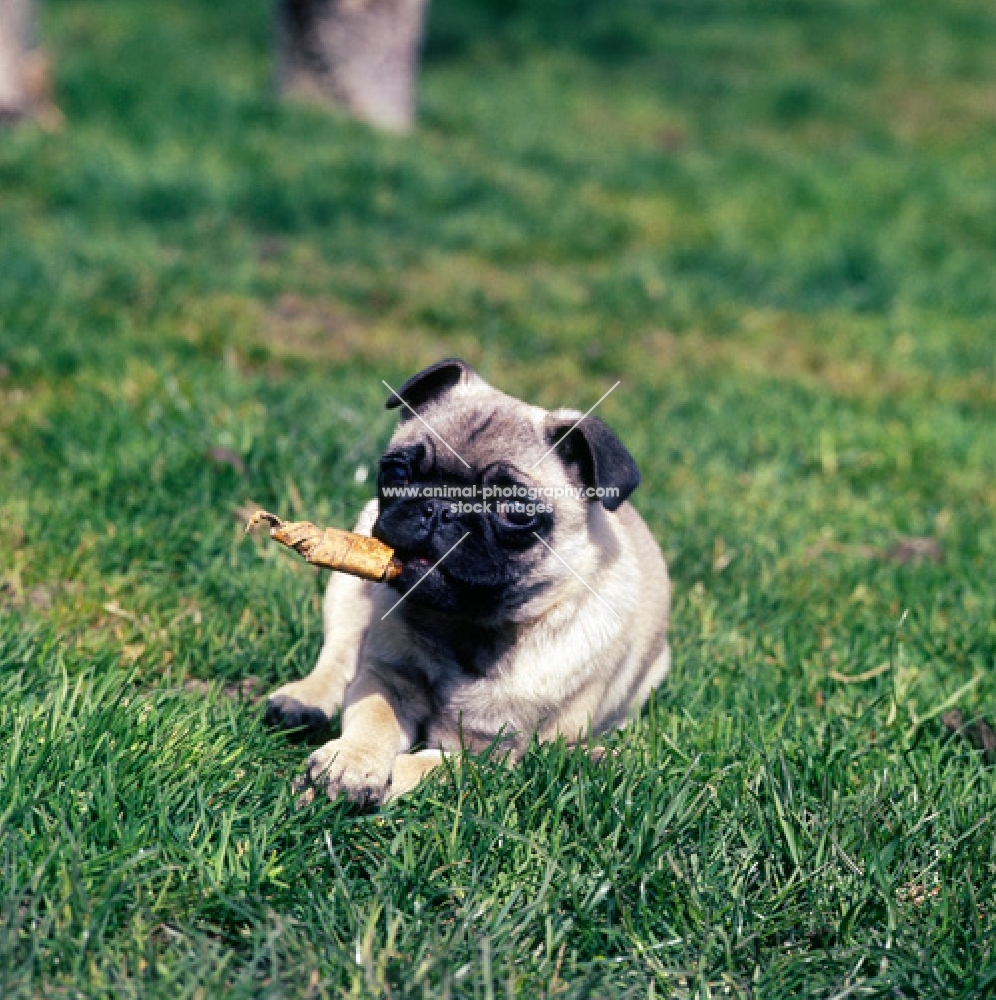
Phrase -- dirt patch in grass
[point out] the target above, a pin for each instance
(321, 330)
(788, 351)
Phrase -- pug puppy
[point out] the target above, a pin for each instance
(533, 600)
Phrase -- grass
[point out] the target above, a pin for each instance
(776, 224)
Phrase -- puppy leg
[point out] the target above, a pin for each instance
(358, 765)
(311, 703)
(410, 769)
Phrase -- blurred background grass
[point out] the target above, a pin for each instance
(775, 223)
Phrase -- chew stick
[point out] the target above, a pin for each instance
(333, 548)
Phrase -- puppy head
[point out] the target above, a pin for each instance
(489, 484)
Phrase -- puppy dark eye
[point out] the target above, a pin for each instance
(516, 513)
(393, 473)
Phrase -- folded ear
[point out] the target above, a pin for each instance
(596, 456)
(431, 383)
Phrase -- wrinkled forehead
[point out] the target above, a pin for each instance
(481, 425)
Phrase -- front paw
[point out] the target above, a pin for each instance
(306, 704)
(285, 712)
(358, 772)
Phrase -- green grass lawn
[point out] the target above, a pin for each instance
(776, 224)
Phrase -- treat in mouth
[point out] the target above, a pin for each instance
(333, 548)
(413, 570)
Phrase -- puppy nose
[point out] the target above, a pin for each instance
(432, 511)
(437, 512)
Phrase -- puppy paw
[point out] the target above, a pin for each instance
(285, 712)
(409, 769)
(307, 704)
(355, 772)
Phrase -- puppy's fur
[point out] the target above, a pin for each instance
(503, 639)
